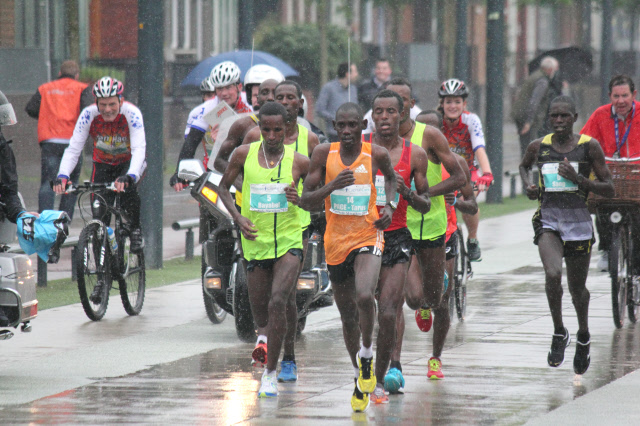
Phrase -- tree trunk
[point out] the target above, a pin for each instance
(323, 21)
(73, 32)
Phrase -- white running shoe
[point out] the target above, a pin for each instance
(268, 386)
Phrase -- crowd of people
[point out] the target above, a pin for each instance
(388, 180)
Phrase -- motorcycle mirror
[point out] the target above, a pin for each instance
(190, 170)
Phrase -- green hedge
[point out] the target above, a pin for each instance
(92, 73)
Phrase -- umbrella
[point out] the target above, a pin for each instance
(245, 59)
(575, 63)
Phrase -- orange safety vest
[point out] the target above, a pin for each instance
(59, 108)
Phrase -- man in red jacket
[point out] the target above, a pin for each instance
(617, 127)
(57, 105)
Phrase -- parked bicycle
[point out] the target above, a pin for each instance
(623, 211)
(104, 255)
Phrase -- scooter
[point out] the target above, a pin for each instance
(224, 275)
(17, 285)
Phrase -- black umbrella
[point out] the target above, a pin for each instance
(575, 63)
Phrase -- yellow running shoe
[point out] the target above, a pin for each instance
(359, 401)
(435, 369)
(366, 378)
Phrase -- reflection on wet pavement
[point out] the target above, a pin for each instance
(494, 363)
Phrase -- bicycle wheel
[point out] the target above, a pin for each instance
(618, 262)
(131, 279)
(87, 262)
(633, 292)
(461, 276)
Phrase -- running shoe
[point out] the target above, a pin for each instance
(473, 250)
(359, 401)
(288, 372)
(366, 378)
(394, 381)
(446, 281)
(559, 343)
(424, 319)
(259, 355)
(378, 396)
(582, 359)
(603, 262)
(435, 369)
(268, 386)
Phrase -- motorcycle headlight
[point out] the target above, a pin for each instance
(210, 194)
(214, 283)
(306, 284)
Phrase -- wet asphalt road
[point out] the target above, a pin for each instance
(171, 366)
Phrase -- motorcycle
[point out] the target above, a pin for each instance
(224, 275)
(17, 285)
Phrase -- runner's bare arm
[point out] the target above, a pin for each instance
(529, 159)
(380, 160)
(312, 142)
(434, 139)
(252, 135)
(418, 199)
(467, 203)
(236, 165)
(604, 185)
(300, 171)
(234, 140)
(313, 193)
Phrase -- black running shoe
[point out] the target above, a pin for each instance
(559, 342)
(473, 250)
(582, 359)
(137, 242)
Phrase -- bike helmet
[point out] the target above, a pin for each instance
(224, 74)
(207, 86)
(107, 87)
(453, 87)
(7, 114)
(259, 73)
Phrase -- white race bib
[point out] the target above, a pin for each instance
(381, 193)
(352, 200)
(268, 198)
(553, 182)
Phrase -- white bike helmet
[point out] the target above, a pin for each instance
(107, 87)
(258, 74)
(7, 114)
(224, 74)
(453, 87)
(207, 86)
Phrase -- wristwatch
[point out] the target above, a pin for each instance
(393, 205)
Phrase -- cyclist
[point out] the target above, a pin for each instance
(225, 82)
(254, 77)
(562, 224)
(271, 231)
(463, 130)
(424, 284)
(410, 163)
(617, 127)
(353, 237)
(288, 94)
(119, 151)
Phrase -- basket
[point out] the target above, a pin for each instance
(626, 181)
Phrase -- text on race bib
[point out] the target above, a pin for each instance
(381, 194)
(553, 182)
(352, 200)
(268, 198)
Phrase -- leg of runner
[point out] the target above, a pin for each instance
(551, 251)
(577, 270)
(259, 281)
(390, 285)
(441, 324)
(424, 285)
(394, 381)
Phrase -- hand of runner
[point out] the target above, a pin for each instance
(566, 170)
(449, 198)
(344, 179)
(292, 194)
(532, 192)
(385, 218)
(247, 228)
(403, 189)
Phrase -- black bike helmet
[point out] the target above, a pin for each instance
(453, 87)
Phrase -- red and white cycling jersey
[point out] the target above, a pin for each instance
(114, 143)
(466, 137)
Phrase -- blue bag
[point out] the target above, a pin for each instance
(43, 235)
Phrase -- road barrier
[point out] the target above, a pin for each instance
(187, 224)
(42, 265)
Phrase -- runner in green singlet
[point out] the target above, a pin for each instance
(270, 227)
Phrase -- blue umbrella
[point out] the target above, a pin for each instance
(243, 59)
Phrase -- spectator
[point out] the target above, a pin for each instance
(530, 108)
(57, 105)
(334, 94)
(370, 88)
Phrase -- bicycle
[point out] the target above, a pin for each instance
(462, 272)
(622, 212)
(96, 261)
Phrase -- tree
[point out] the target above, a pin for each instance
(396, 7)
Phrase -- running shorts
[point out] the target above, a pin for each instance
(346, 269)
(397, 247)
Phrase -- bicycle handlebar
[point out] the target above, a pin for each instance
(90, 186)
(621, 160)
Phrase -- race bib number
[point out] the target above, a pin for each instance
(268, 198)
(352, 200)
(381, 194)
(553, 182)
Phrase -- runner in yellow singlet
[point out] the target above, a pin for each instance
(270, 227)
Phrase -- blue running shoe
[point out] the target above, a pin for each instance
(446, 281)
(394, 381)
(288, 372)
